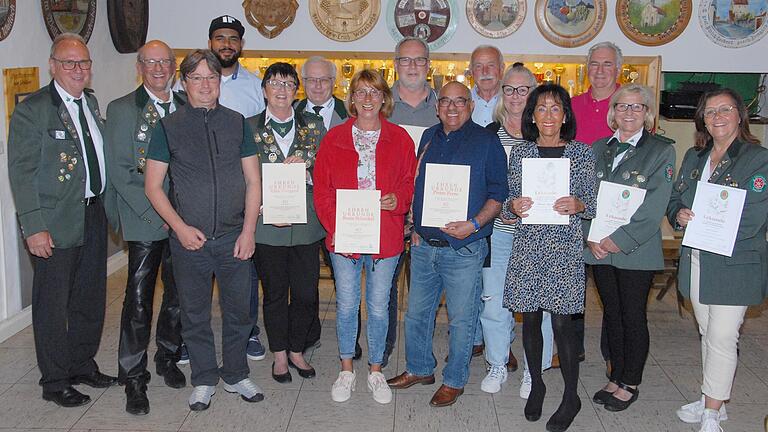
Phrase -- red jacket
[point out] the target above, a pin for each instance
(336, 168)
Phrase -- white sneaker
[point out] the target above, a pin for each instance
(200, 399)
(710, 421)
(378, 386)
(249, 391)
(497, 375)
(342, 388)
(525, 384)
(691, 413)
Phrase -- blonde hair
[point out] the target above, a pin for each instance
(375, 80)
(648, 100)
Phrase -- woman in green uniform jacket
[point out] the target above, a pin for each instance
(721, 287)
(624, 262)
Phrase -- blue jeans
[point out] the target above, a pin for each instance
(458, 273)
(378, 281)
(498, 322)
(548, 337)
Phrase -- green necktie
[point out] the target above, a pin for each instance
(166, 106)
(282, 129)
(317, 109)
(90, 151)
(621, 147)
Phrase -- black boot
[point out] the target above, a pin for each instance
(533, 344)
(136, 401)
(567, 347)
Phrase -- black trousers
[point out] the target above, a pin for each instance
(68, 301)
(289, 278)
(579, 331)
(624, 294)
(144, 260)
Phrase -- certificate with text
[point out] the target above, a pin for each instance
(415, 133)
(716, 217)
(284, 193)
(544, 181)
(358, 221)
(446, 194)
(616, 204)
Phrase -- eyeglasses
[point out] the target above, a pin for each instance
(520, 90)
(407, 61)
(723, 110)
(198, 79)
(70, 64)
(363, 92)
(276, 84)
(150, 63)
(445, 102)
(309, 81)
(635, 107)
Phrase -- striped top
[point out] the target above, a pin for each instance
(507, 141)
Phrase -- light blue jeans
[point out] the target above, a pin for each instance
(378, 281)
(458, 273)
(548, 337)
(498, 322)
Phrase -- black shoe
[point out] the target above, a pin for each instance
(535, 402)
(602, 396)
(304, 373)
(282, 378)
(615, 404)
(67, 398)
(136, 401)
(358, 352)
(171, 374)
(94, 379)
(562, 418)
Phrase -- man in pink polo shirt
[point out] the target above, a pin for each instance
(604, 62)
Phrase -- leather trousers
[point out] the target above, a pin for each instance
(144, 260)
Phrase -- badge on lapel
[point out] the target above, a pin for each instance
(757, 182)
(669, 172)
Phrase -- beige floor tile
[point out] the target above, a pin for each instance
(510, 414)
(645, 416)
(656, 384)
(16, 362)
(168, 410)
(317, 412)
(471, 413)
(228, 412)
(23, 407)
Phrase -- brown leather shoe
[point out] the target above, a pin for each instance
(477, 350)
(445, 396)
(405, 380)
(555, 361)
(512, 363)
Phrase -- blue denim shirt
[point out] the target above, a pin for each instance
(471, 145)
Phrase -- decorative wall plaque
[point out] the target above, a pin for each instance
(19, 83)
(496, 18)
(653, 22)
(73, 16)
(733, 24)
(7, 16)
(128, 23)
(431, 20)
(270, 17)
(344, 20)
(570, 23)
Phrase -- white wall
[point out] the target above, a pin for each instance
(691, 51)
(28, 45)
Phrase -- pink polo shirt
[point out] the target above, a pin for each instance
(591, 117)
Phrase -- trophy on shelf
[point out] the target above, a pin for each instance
(384, 71)
(571, 85)
(633, 76)
(451, 75)
(559, 69)
(538, 73)
(469, 78)
(264, 65)
(581, 76)
(437, 79)
(430, 71)
(347, 70)
(549, 76)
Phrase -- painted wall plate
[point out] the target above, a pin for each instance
(570, 23)
(434, 21)
(653, 23)
(496, 18)
(733, 23)
(69, 16)
(7, 17)
(344, 20)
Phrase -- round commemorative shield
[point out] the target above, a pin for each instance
(734, 24)
(69, 16)
(570, 23)
(7, 16)
(653, 23)
(496, 18)
(344, 20)
(433, 21)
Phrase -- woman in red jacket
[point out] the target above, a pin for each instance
(366, 152)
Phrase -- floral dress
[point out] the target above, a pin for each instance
(365, 144)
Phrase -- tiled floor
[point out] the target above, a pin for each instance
(672, 376)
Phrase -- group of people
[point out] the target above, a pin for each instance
(178, 174)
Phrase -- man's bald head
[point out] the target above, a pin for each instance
(156, 64)
(454, 106)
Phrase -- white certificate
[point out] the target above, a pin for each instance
(415, 132)
(446, 194)
(717, 214)
(545, 180)
(616, 204)
(284, 193)
(358, 221)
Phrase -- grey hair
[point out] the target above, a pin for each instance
(609, 45)
(500, 111)
(649, 100)
(409, 39)
(498, 51)
(318, 59)
(65, 37)
(193, 59)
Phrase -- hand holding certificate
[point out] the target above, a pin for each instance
(284, 193)
(446, 194)
(358, 221)
(544, 181)
(717, 214)
(616, 204)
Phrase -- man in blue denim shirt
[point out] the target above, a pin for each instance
(450, 258)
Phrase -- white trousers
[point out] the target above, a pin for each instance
(719, 328)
